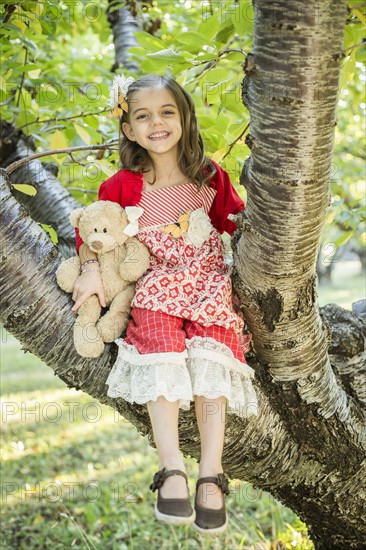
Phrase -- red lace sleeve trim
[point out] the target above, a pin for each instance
(227, 201)
(124, 187)
(133, 184)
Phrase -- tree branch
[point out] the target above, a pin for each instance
(22, 77)
(356, 154)
(87, 191)
(260, 450)
(10, 9)
(235, 141)
(15, 165)
(355, 46)
(56, 119)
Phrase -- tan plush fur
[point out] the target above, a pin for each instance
(122, 260)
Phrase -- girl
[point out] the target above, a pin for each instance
(184, 341)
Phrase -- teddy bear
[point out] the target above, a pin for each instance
(108, 230)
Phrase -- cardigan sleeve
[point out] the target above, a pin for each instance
(227, 201)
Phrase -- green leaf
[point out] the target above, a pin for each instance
(170, 55)
(359, 15)
(236, 128)
(138, 50)
(205, 57)
(217, 75)
(30, 44)
(344, 238)
(106, 167)
(25, 188)
(361, 55)
(209, 26)
(58, 140)
(348, 37)
(235, 56)
(3, 86)
(206, 121)
(34, 73)
(232, 102)
(243, 18)
(348, 70)
(217, 156)
(216, 87)
(25, 99)
(226, 31)
(194, 39)
(51, 232)
(85, 136)
(20, 24)
(149, 42)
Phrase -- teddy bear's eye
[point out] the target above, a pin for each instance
(95, 230)
(104, 230)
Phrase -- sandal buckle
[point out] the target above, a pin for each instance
(158, 480)
(223, 483)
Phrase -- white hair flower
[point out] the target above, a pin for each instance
(118, 94)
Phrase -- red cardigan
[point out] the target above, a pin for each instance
(125, 188)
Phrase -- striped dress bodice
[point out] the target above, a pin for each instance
(162, 206)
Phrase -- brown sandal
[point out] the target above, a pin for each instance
(208, 521)
(174, 511)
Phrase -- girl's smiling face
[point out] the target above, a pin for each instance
(154, 121)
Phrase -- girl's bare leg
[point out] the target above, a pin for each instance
(164, 421)
(210, 415)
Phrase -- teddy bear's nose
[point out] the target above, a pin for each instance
(97, 245)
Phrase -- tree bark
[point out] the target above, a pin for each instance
(126, 18)
(290, 89)
(262, 450)
(53, 203)
(307, 446)
(123, 20)
(347, 351)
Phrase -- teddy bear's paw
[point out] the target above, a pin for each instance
(87, 340)
(110, 328)
(67, 273)
(92, 352)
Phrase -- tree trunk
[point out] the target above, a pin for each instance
(261, 450)
(347, 351)
(34, 309)
(290, 89)
(124, 23)
(126, 18)
(307, 445)
(53, 203)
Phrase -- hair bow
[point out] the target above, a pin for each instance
(133, 214)
(118, 94)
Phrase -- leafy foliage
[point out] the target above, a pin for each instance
(57, 71)
(346, 217)
(345, 222)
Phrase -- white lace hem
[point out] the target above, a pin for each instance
(215, 372)
(139, 378)
(206, 368)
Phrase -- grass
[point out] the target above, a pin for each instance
(76, 475)
(348, 285)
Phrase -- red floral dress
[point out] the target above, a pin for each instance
(188, 276)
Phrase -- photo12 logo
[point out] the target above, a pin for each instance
(53, 412)
(70, 491)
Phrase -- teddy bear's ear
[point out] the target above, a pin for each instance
(75, 216)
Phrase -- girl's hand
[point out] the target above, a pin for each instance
(88, 283)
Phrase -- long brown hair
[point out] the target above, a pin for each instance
(191, 158)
